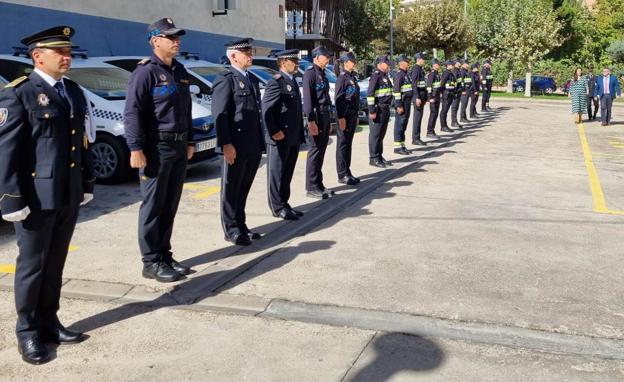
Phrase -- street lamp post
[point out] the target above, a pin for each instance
(391, 30)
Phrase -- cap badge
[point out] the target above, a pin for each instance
(43, 99)
(169, 21)
(66, 31)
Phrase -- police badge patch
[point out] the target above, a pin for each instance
(241, 84)
(4, 115)
(43, 100)
(162, 77)
(289, 88)
(385, 81)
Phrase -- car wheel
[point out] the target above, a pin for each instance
(520, 89)
(548, 90)
(110, 159)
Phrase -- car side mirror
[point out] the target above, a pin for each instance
(194, 89)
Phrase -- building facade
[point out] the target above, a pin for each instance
(117, 27)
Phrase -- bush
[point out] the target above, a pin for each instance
(616, 51)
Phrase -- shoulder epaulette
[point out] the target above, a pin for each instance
(144, 61)
(16, 82)
(311, 67)
(277, 76)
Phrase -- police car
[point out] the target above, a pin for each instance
(105, 86)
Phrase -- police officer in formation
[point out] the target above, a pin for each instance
(235, 108)
(317, 109)
(157, 122)
(474, 90)
(379, 99)
(45, 175)
(459, 89)
(347, 99)
(433, 92)
(283, 119)
(402, 93)
(466, 81)
(447, 90)
(487, 79)
(419, 86)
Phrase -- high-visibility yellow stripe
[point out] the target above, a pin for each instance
(397, 95)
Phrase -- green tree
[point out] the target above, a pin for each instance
(365, 21)
(616, 51)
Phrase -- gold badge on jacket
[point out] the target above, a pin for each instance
(4, 116)
(241, 84)
(289, 88)
(43, 99)
(162, 77)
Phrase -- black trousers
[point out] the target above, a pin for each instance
(455, 108)
(434, 109)
(161, 184)
(485, 100)
(419, 111)
(236, 181)
(464, 106)
(474, 98)
(344, 144)
(401, 120)
(596, 103)
(378, 128)
(447, 100)
(43, 239)
(317, 145)
(606, 102)
(281, 161)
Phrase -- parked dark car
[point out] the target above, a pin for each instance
(539, 84)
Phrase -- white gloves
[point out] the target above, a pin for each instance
(17, 216)
(86, 199)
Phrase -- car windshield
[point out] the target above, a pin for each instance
(208, 72)
(331, 77)
(265, 74)
(108, 83)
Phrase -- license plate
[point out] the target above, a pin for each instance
(206, 145)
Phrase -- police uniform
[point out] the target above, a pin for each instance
(45, 175)
(474, 90)
(447, 89)
(459, 89)
(433, 91)
(402, 92)
(486, 84)
(157, 121)
(235, 100)
(379, 99)
(419, 86)
(591, 86)
(466, 80)
(347, 100)
(317, 108)
(282, 111)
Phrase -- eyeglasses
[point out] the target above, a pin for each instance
(170, 37)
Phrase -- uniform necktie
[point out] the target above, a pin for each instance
(61, 91)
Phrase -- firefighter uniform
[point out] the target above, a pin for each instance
(379, 99)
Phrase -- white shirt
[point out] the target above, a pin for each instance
(241, 71)
(48, 78)
(290, 77)
(606, 85)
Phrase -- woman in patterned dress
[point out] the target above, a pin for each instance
(578, 93)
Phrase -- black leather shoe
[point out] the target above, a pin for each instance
(328, 192)
(457, 126)
(287, 214)
(162, 272)
(253, 235)
(61, 335)
(418, 142)
(356, 180)
(238, 239)
(316, 194)
(349, 181)
(180, 268)
(377, 163)
(463, 120)
(401, 151)
(386, 162)
(432, 136)
(296, 212)
(446, 130)
(33, 351)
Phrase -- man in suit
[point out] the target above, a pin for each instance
(607, 89)
(236, 111)
(591, 100)
(45, 175)
(283, 118)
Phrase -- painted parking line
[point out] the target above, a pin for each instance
(7, 268)
(207, 191)
(600, 204)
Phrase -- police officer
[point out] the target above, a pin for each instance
(347, 100)
(447, 90)
(402, 92)
(466, 79)
(419, 86)
(45, 175)
(591, 86)
(317, 108)
(433, 92)
(459, 89)
(474, 90)
(486, 84)
(379, 99)
(235, 100)
(157, 122)
(283, 118)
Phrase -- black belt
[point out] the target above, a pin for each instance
(170, 137)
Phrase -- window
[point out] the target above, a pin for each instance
(11, 70)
